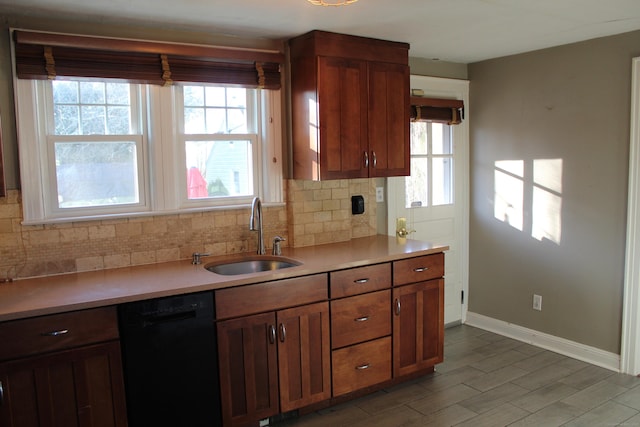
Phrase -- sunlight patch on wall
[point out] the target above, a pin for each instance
(547, 200)
(509, 192)
(528, 196)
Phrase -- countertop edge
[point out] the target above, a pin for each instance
(78, 291)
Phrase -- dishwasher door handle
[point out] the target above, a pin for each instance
(166, 318)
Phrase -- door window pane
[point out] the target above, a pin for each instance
(442, 181)
(417, 184)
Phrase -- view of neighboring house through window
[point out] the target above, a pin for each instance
(219, 140)
(431, 180)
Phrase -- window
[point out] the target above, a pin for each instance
(431, 180)
(103, 148)
(219, 141)
(94, 144)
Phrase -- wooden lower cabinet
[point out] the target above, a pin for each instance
(256, 353)
(418, 326)
(81, 387)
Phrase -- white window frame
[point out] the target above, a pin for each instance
(162, 177)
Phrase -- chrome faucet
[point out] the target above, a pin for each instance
(255, 223)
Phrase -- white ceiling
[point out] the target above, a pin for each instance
(462, 31)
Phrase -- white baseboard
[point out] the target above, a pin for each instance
(588, 354)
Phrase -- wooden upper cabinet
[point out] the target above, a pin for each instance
(350, 107)
(389, 120)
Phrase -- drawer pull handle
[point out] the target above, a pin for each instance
(283, 332)
(363, 367)
(361, 280)
(375, 159)
(1, 395)
(55, 333)
(366, 159)
(420, 269)
(272, 334)
(398, 307)
(361, 319)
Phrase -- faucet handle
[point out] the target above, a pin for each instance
(277, 250)
(195, 258)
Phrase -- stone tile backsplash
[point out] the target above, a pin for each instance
(315, 213)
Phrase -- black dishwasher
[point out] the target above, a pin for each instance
(170, 361)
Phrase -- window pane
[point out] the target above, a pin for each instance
(66, 119)
(216, 120)
(65, 92)
(236, 97)
(215, 96)
(93, 120)
(219, 169)
(96, 173)
(194, 120)
(193, 96)
(92, 93)
(118, 94)
(442, 180)
(237, 121)
(417, 184)
(419, 138)
(118, 120)
(440, 140)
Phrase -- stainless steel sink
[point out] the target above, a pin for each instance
(254, 264)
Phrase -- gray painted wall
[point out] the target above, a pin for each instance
(570, 103)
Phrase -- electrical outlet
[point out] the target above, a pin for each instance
(379, 194)
(537, 302)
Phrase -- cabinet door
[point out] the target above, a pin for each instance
(248, 368)
(81, 387)
(342, 99)
(418, 326)
(304, 355)
(388, 120)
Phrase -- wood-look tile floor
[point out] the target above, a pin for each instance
(489, 380)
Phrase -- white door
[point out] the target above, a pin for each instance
(434, 200)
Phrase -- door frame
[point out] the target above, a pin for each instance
(440, 87)
(630, 340)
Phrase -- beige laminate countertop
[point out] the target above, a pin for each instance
(77, 291)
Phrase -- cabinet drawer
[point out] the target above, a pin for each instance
(418, 269)
(361, 365)
(56, 332)
(360, 318)
(269, 296)
(359, 280)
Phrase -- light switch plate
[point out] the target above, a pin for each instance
(379, 194)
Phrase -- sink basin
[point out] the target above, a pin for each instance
(246, 265)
